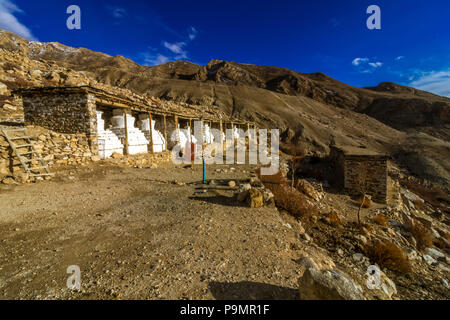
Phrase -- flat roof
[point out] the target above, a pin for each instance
(105, 98)
(361, 152)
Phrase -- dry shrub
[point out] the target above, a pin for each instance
(9, 66)
(286, 197)
(381, 220)
(389, 255)
(435, 195)
(421, 234)
(367, 201)
(333, 219)
(419, 205)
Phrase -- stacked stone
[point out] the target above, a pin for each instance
(375, 177)
(63, 113)
(64, 149)
(55, 148)
(4, 158)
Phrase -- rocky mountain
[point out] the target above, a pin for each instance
(411, 125)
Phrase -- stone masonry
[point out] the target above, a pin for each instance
(358, 170)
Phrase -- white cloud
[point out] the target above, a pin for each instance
(177, 48)
(9, 22)
(358, 61)
(376, 64)
(117, 12)
(192, 33)
(437, 82)
(364, 65)
(171, 51)
(399, 58)
(154, 59)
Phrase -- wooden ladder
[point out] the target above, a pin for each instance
(35, 172)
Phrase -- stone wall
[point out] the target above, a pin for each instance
(337, 165)
(369, 173)
(55, 148)
(357, 171)
(66, 113)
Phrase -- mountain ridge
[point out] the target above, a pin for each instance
(310, 109)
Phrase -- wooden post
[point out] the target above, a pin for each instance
(165, 132)
(126, 131)
(190, 130)
(151, 145)
(220, 127)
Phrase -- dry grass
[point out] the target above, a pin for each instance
(367, 202)
(9, 66)
(286, 197)
(381, 220)
(333, 219)
(435, 196)
(421, 234)
(389, 255)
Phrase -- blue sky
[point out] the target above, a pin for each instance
(412, 47)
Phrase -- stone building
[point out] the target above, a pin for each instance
(359, 170)
(113, 123)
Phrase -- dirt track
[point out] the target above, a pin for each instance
(137, 235)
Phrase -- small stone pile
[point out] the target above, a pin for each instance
(255, 195)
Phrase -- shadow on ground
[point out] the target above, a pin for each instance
(247, 290)
(220, 200)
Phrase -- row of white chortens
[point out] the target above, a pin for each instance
(109, 140)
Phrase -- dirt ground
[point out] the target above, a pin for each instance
(135, 234)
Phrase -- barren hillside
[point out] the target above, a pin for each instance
(411, 125)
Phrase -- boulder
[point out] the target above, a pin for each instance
(436, 254)
(9, 107)
(306, 188)
(9, 181)
(387, 288)
(4, 169)
(268, 198)
(308, 263)
(3, 89)
(429, 260)
(255, 198)
(21, 177)
(328, 285)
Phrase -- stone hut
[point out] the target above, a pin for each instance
(357, 169)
